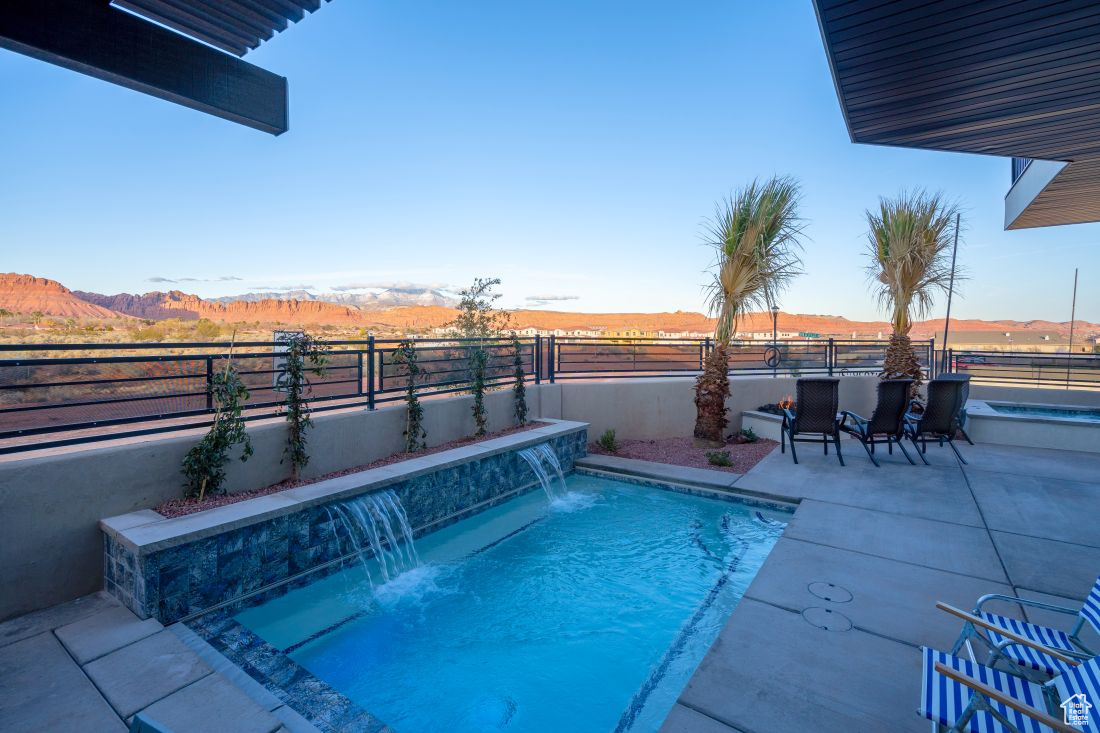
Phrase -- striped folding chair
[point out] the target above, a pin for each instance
(958, 695)
(1008, 638)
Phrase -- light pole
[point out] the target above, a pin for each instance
(775, 337)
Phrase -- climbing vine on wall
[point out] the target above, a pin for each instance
(415, 434)
(304, 355)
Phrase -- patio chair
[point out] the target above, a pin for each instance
(965, 379)
(887, 423)
(938, 417)
(957, 695)
(816, 402)
(994, 630)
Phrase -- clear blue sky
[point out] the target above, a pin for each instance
(570, 148)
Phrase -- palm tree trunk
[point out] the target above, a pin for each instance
(712, 387)
(901, 361)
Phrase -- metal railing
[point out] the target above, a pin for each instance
(1017, 368)
(121, 390)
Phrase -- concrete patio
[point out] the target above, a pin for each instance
(90, 665)
(827, 637)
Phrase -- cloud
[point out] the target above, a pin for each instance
(219, 279)
(537, 300)
(391, 285)
(549, 298)
(280, 288)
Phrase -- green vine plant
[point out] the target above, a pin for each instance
(304, 355)
(478, 320)
(415, 434)
(204, 464)
(519, 387)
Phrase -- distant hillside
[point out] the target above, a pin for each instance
(389, 298)
(415, 309)
(28, 294)
(176, 304)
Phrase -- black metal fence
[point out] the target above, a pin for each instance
(123, 390)
(1021, 369)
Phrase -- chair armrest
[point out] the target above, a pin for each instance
(993, 694)
(788, 415)
(1023, 602)
(1007, 633)
(858, 422)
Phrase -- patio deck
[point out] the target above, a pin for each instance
(892, 541)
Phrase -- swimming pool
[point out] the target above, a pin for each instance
(586, 613)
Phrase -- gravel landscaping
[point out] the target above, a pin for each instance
(683, 452)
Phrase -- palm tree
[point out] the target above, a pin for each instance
(756, 236)
(909, 240)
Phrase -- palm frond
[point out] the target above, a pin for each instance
(756, 234)
(909, 246)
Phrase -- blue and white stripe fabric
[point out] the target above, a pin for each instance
(1084, 680)
(944, 700)
(1091, 610)
(1025, 655)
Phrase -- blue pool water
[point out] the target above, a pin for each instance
(584, 614)
(1084, 415)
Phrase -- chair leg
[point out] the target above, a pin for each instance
(916, 446)
(889, 445)
(965, 435)
(782, 440)
(870, 448)
(906, 453)
(960, 455)
(825, 442)
(794, 453)
(836, 440)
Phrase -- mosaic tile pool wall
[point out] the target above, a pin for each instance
(189, 578)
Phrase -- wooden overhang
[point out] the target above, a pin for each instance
(1013, 78)
(185, 51)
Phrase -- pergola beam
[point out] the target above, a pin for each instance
(94, 38)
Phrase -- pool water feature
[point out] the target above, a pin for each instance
(544, 462)
(1049, 411)
(376, 526)
(588, 614)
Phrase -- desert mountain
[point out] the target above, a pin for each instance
(422, 309)
(28, 294)
(177, 304)
(389, 298)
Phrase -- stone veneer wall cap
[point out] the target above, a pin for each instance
(144, 534)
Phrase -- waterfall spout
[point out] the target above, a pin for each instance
(376, 525)
(544, 461)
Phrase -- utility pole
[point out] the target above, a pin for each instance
(950, 292)
(1072, 318)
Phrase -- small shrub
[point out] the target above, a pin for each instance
(204, 465)
(748, 435)
(608, 442)
(719, 458)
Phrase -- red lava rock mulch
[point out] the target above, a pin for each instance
(182, 507)
(682, 452)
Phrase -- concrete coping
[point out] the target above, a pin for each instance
(760, 415)
(146, 531)
(985, 410)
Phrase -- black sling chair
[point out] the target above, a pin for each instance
(815, 413)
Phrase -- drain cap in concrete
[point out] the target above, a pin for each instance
(826, 618)
(830, 592)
